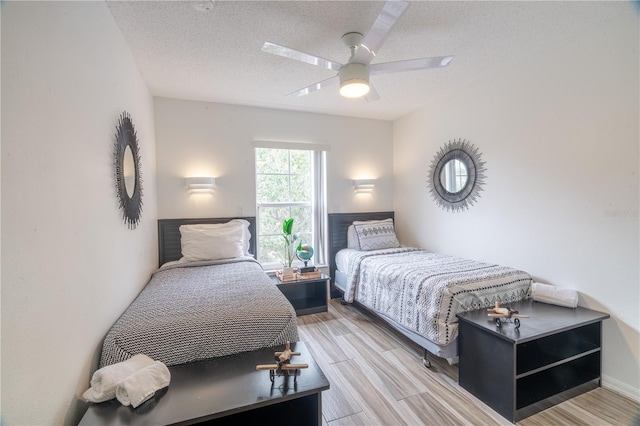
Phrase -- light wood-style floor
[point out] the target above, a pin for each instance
(377, 378)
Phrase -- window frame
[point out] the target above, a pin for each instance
(317, 203)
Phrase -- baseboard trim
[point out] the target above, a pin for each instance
(621, 388)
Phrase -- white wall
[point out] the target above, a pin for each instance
(560, 136)
(70, 265)
(198, 138)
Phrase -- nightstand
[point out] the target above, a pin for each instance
(307, 296)
(554, 355)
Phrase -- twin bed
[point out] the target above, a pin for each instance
(415, 291)
(211, 298)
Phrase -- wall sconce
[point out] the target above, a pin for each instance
(200, 184)
(364, 186)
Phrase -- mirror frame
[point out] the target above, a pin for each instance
(126, 137)
(470, 156)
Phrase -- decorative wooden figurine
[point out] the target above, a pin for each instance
(507, 313)
(283, 366)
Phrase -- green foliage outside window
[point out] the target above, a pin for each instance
(283, 191)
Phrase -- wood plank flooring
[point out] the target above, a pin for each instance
(377, 378)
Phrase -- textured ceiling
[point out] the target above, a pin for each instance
(215, 56)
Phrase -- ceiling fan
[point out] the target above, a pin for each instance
(354, 75)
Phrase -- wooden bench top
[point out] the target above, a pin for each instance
(215, 388)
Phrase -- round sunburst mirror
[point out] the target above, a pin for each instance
(456, 175)
(127, 171)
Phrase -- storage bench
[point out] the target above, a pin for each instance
(554, 355)
(227, 390)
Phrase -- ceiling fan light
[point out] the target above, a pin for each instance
(354, 80)
(354, 88)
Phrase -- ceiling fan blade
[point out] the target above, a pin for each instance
(410, 65)
(287, 52)
(373, 40)
(372, 95)
(314, 87)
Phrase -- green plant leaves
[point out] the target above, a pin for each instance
(287, 226)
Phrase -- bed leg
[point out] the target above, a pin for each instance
(425, 359)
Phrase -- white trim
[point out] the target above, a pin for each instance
(305, 146)
(622, 388)
(286, 204)
(319, 208)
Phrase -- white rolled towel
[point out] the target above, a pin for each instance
(105, 380)
(554, 295)
(142, 385)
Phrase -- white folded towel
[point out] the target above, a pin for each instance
(554, 295)
(142, 385)
(105, 380)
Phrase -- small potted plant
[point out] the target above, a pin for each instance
(289, 248)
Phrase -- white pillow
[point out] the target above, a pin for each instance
(375, 234)
(234, 222)
(211, 244)
(352, 238)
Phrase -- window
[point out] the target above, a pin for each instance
(289, 183)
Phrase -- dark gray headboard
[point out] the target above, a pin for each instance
(338, 224)
(169, 235)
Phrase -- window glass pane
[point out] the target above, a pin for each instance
(283, 177)
(301, 162)
(302, 221)
(271, 249)
(271, 219)
(301, 188)
(272, 188)
(272, 160)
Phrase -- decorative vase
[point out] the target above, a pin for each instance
(288, 272)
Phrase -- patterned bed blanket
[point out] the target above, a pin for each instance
(202, 310)
(424, 291)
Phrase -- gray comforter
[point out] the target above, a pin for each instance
(424, 291)
(202, 310)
